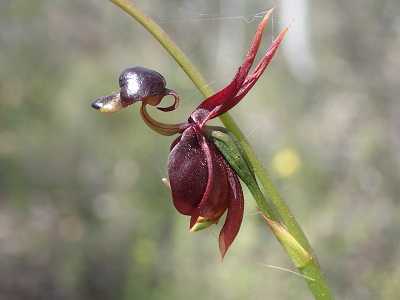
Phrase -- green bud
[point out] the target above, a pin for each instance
(297, 253)
(232, 150)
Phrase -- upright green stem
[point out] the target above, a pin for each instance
(169, 45)
(317, 283)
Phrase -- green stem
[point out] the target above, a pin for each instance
(233, 152)
(276, 198)
(169, 45)
(317, 285)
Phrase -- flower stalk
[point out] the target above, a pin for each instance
(288, 231)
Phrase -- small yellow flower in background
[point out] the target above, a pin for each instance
(286, 162)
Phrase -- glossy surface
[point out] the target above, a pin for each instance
(138, 83)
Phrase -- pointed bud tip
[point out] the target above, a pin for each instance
(269, 12)
(283, 32)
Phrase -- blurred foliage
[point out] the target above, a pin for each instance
(83, 211)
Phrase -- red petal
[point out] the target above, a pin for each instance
(234, 216)
(188, 172)
(221, 102)
(259, 70)
(216, 198)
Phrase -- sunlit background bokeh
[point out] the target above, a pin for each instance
(84, 213)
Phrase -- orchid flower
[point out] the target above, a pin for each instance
(203, 184)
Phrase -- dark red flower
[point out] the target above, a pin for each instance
(204, 186)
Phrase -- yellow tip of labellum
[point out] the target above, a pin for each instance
(109, 104)
(201, 223)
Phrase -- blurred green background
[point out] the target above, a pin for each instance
(83, 211)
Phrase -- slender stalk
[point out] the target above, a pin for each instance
(276, 198)
(169, 45)
(314, 276)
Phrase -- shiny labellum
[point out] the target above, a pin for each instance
(142, 84)
(137, 84)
